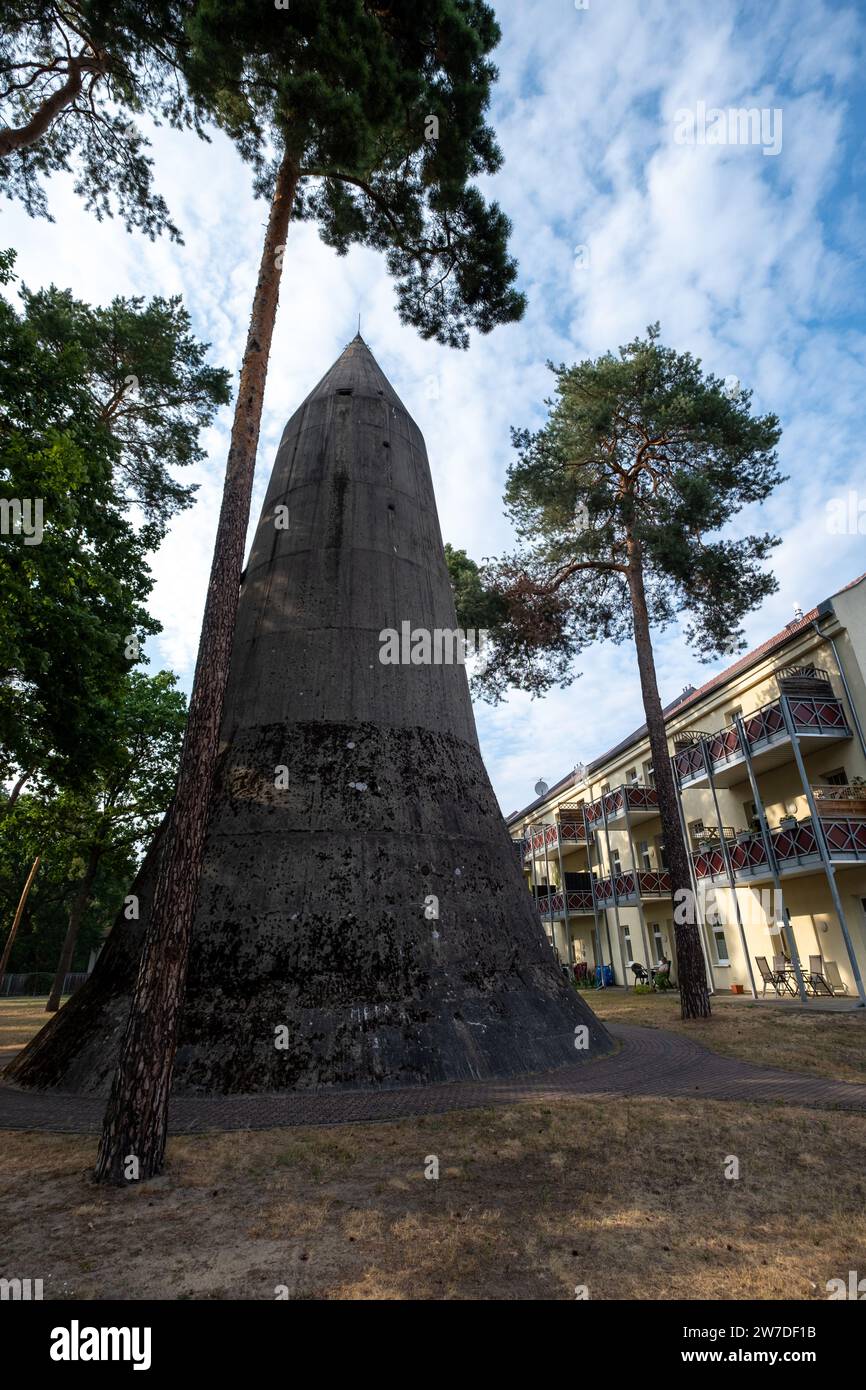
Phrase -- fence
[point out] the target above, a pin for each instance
(38, 983)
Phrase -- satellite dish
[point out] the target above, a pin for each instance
(541, 788)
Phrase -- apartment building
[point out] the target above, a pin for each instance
(769, 761)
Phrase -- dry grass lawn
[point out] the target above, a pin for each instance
(822, 1044)
(20, 1018)
(627, 1197)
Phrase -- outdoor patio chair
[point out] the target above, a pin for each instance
(663, 969)
(817, 979)
(771, 978)
(640, 975)
(833, 978)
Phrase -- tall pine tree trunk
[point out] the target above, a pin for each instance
(76, 915)
(137, 1113)
(691, 972)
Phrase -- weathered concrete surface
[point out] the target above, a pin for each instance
(311, 915)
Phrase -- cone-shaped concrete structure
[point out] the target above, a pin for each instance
(351, 806)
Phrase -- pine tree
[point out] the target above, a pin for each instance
(370, 122)
(76, 78)
(622, 504)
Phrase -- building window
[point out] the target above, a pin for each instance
(837, 778)
(629, 954)
(649, 776)
(643, 854)
(721, 944)
(604, 789)
(661, 853)
(697, 831)
(658, 940)
(736, 712)
(631, 775)
(615, 861)
(753, 822)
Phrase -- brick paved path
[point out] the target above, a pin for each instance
(651, 1062)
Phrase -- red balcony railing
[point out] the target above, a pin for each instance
(810, 714)
(793, 844)
(578, 900)
(688, 754)
(544, 835)
(653, 883)
(565, 832)
(846, 837)
(572, 830)
(633, 795)
(620, 886)
(747, 856)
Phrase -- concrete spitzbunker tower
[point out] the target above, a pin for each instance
(361, 904)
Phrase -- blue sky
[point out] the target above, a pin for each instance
(754, 262)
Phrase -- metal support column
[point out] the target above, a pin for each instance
(770, 851)
(549, 893)
(728, 867)
(568, 940)
(851, 706)
(699, 921)
(636, 872)
(532, 874)
(829, 870)
(598, 942)
(619, 934)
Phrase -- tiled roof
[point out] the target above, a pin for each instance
(691, 697)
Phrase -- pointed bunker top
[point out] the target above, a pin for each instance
(357, 373)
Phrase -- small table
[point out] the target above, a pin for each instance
(787, 977)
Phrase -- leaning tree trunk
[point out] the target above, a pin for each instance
(6, 806)
(694, 995)
(77, 1048)
(137, 1114)
(16, 921)
(76, 915)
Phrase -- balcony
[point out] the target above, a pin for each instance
(572, 827)
(639, 801)
(819, 719)
(627, 889)
(843, 800)
(568, 831)
(795, 846)
(578, 901)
